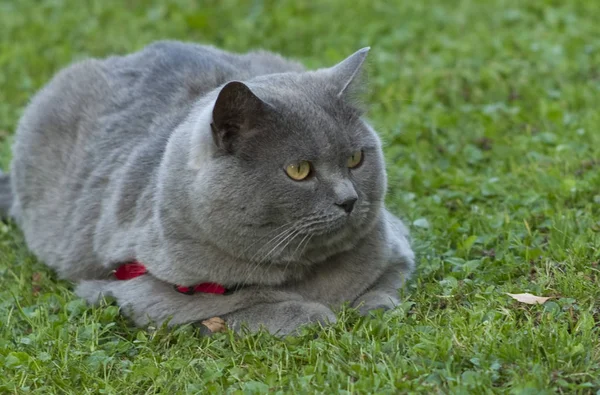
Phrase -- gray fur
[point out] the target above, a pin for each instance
(6, 199)
(175, 156)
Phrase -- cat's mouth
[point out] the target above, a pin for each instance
(330, 227)
(334, 223)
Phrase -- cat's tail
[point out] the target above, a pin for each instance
(6, 197)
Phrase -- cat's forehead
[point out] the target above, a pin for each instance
(309, 108)
(305, 93)
(308, 120)
(295, 135)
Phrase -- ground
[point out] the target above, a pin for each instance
(490, 112)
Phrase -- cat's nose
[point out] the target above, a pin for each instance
(347, 204)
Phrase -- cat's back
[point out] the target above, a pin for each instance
(164, 68)
(212, 65)
(164, 63)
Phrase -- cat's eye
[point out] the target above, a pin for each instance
(355, 159)
(298, 171)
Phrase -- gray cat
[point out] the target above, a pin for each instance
(272, 188)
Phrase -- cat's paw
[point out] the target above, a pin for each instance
(374, 301)
(298, 314)
(281, 319)
(93, 291)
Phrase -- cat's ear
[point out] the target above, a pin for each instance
(236, 111)
(346, 75)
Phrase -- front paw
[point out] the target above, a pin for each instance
(374, 301)
(93, 291)
(281, 319)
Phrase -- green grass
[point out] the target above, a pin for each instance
(490, 111)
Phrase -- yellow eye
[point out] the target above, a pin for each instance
(355, 159)
(298, 171)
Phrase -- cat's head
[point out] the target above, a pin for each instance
(293, 174)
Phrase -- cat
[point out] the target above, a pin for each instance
(241, 170)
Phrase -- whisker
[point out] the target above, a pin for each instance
(308, 234)
(253, 264)
(275, 239)
(293, 234)
(264, 237)
(306, 245)
(285, 246)
(306, 227)
(258, 263)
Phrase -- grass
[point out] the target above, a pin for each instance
(490, 111)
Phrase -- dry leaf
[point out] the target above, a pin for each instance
(528, 298)
(215, 324)
(36, 283)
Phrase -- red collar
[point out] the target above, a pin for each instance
(134, 269)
